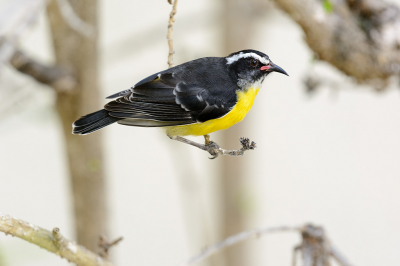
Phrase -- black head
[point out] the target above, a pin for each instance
(250, 67)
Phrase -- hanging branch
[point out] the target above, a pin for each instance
(170, 32)
(52, 241)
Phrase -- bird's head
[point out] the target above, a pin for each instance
(250, 67)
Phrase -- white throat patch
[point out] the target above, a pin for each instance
(245, 84)
(234, 58)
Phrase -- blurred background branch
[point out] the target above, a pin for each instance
(51, 241)
(315, 249)
(359, 37)
(232, 240)
(55, 76)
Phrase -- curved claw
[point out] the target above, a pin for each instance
(213, 148)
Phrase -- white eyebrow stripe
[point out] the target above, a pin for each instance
(234, 58)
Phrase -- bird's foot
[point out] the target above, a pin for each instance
(214, 149)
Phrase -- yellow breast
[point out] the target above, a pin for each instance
(238, 112)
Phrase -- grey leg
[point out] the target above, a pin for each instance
(187, 141)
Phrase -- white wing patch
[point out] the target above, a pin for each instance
(177, 88)
(234, 58)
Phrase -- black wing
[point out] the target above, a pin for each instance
(181, 95)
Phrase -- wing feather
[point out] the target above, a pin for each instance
(177, 96)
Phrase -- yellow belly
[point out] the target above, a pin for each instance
(238, 112)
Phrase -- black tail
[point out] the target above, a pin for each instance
(92, 122)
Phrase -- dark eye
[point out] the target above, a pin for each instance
(253, 62)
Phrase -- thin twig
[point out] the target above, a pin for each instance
(234, 240)
(52, 241)
(215, 150)
(105, 245)
(170, 32)
(74, 21)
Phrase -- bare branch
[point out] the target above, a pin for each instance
(52, 241)
(74, 21)
(316, 249)
(170, 32)
(254, 233)
(58, 77)
(360, 38)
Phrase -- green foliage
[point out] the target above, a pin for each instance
(327, 5)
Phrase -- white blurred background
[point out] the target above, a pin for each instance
(330, 158)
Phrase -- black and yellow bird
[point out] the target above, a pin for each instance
(195, 98)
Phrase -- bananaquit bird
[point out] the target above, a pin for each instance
(195, 98)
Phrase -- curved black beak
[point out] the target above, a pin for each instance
(276, 68)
